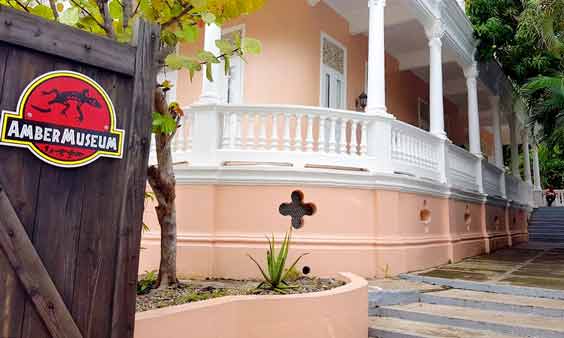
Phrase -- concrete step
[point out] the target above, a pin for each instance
(515, 324)
(380, 327)
(496, 302)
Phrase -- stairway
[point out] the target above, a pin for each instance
(455, 313)
(547, 225)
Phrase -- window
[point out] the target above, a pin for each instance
(333, 73)
(423, 114)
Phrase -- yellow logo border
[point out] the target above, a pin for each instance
(19, 114)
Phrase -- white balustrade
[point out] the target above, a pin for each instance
(290, 136)
(463, 169)
(558, 202)
(311, 137)
(492, 176)
(414, 151)
(518, 190)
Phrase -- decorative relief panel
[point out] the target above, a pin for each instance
(333, 56)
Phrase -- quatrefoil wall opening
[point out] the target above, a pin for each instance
(297, 209)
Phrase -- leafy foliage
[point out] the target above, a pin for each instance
(276, 276)
(546, 97)
(524, 36)
(551, 160)
(147, 283)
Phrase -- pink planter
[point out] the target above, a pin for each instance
(337, 313)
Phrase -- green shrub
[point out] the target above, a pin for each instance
(276, 275)
(147, 283)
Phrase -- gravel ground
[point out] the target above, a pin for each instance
(197, 290)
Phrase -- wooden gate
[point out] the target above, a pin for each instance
(69, 238)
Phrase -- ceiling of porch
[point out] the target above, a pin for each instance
(406, 41)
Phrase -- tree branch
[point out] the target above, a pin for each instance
(22, 5)
(127, 14)
(175, 19)
(53, 5)
(88, 13)
(103, 6)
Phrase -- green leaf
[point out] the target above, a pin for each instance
(209, 73)
(175, 61)
(207, 57)
(169, 38)
(227, 64)
(251, 46)
(43, 11)
(71, 16)
(225, 46)
(208, 18)
(116, 11)
(163, 124)
(189, 33)
(199, 3)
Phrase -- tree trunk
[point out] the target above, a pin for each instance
(163, 183)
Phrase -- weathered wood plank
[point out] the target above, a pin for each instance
(31, 31)
(19, 174)
(134, 169)
(57, 224)
(26, 263)
(99, 223)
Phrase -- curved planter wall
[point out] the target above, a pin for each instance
(338, 313)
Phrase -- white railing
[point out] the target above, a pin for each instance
(296, 136)
(415, 151)
(518, 190)
(310, 137)
(492, 178)
(463, 169)
(540, 198)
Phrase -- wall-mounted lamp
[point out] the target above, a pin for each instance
(361, 102)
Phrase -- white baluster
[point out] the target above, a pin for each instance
(333, 135)
(233, 130)
(343, 138)
(238, 131)
(298, 145)
(274, 135)
(322, 142)
(354, 139)
(262, 131)
(363, 138)
(250, 131)
(190, 129)
(309, 133)
(286, 141)
(226, 132)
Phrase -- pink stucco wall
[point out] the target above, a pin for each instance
(337, 313)
(370, 232)
(288, 69)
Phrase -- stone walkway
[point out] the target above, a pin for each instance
(533, 265)
(515, 292)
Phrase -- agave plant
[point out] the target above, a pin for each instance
(276, 274)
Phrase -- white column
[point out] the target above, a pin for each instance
(526, 157)
(210, 91)
(471, 74)
(536, 167)
(376, 90)
(513, 129)
(496, 125)
(437, 119)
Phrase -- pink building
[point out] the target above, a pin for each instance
(395, 188)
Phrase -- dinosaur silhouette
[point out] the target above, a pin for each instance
(65, 97)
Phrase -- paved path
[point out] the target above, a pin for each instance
(516, 292)
(532, 265)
